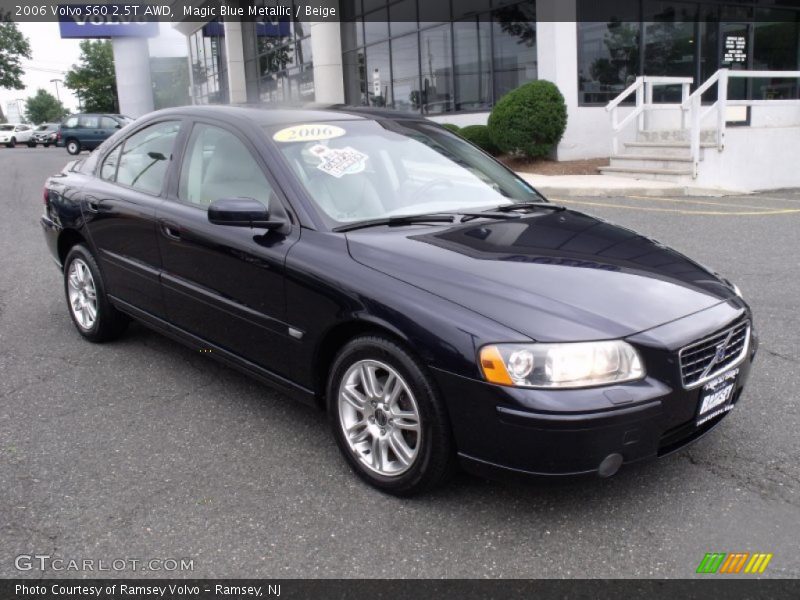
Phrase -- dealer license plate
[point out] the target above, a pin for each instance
(716, 396)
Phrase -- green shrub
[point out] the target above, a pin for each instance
(452, 127)
(529, 120)
(479, 135)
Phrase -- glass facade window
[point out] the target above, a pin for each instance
(278, 54)
(207, 57)
(776, 47)
(472, 49)
(435, 57)
(685, 39)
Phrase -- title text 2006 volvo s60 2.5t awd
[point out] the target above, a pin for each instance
(383, 268)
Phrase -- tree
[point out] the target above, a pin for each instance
(43, 107)
(93, 79)
(13, 47)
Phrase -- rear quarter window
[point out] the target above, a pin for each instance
(71, 122)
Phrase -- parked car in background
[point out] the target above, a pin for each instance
(11, 135)
(45, 134)
(86, 131)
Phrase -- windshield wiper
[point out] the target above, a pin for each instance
(489, 214)
(524, 205)
(399, 220)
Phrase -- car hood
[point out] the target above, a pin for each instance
(554, 276)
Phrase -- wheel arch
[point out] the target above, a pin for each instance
(68, 239)
(337, 336)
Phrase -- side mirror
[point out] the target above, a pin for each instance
(241, 212)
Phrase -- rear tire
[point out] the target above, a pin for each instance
(12, 143)
(387, 417)
(73, 146)
(92, 314)
(31, 144)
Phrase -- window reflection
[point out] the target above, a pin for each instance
(438, 65)
(608, 59)
(514, 36)
(207, 56)
(472, 45)
(437, 70)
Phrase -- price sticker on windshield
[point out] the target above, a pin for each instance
(308, 132)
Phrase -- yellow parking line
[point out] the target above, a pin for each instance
(768, 212)
(703, 202)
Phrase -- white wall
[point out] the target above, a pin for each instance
(755, 158)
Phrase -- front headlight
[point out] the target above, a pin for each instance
(570, 365)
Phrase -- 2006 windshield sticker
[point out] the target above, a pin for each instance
(339, 161)
(308, 132)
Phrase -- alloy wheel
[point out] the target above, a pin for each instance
(379, 418)
(82, 294)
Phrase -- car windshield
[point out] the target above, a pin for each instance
(365, 169)
(43, 127)
(6, 128)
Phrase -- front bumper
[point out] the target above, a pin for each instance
(572, 432)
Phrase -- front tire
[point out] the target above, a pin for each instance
(387, 417)
(31, 144)
(73, 147)
(91, 312)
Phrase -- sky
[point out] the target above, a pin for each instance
(52, 57)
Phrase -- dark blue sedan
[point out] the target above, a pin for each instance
(382, 268)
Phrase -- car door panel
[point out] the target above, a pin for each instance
(120, 214)
(223, 283)
(121, 224)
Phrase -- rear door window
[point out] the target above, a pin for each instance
(89, 121)
(145, 157)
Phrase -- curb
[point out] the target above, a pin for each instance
(579, 192)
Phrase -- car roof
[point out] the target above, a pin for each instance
(265, 115)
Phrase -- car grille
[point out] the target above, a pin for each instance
(697, 357)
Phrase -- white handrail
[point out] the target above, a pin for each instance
(691, 104)
(771, 74)
(643, 87)
(721, 77)
(624, 94)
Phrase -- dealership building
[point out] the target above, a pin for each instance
(451, 61)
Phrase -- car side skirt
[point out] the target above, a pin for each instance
(290, 388)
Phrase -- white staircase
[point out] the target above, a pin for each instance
(676, 152)
(662, 155)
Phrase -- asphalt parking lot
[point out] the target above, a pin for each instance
(142, 448)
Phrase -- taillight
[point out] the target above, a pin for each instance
(58, 134)
(46, 196)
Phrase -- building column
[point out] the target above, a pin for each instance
(132, 69)
(557, 55)
(326, 50)
(234, 56)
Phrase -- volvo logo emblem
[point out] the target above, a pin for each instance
(720, 355)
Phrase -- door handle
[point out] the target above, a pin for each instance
(170, 230)
(93, 204)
